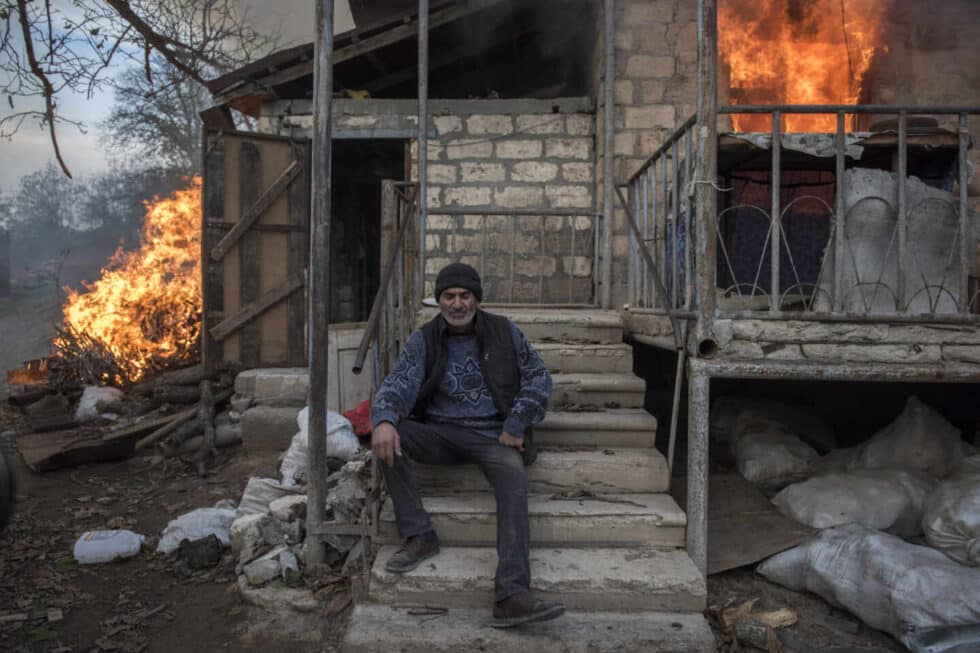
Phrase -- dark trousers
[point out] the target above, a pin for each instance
(437, 444)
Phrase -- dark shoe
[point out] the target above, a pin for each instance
(417, 548)
(520, 609)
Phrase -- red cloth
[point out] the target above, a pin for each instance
(360, 418)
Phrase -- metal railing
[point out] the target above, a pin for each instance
(808, 255)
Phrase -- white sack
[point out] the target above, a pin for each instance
(767, 453)
(885, 499)
(919, 439)
(887, 582)
(94, 547)
(797, 419)
(92, 396)
(951, 519)
(195, 525)
(260, 492)
(341, 443)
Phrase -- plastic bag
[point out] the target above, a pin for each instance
(888, 583)
(197, 524)
(341, 443)
(260, 492)
(797, 419)
(951, 518)
(92, 396)
(886, 499)
(919, 439)
(94, 547)
(767, 453)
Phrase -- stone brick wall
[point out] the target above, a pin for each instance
(655, 90)
(486, 164)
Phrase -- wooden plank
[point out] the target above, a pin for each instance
(273, 255)
(298, 253)
(136, 430)
(56, 449)
(249, 171)
(218, 223)
(253, 210)
(253, 309)
(212, 296)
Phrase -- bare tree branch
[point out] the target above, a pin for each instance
(45, 82)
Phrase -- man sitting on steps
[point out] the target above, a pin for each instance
(467, 388)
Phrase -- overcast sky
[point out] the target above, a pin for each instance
(30, 148)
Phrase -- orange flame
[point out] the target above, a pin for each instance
(798, 52)
(146, 308)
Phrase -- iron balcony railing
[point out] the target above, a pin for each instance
(774, 262)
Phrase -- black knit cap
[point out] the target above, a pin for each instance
(459, 275)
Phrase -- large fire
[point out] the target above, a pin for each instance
(798, 52)
(145, 311)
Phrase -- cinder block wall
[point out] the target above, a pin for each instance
(498, 160)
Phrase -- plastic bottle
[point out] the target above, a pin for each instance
(94, 547)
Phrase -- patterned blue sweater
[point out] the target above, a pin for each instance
(462, 397)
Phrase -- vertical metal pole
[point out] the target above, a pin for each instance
(642, 272)
(688, 221)
(902, 225)
(423, 139)
(658, 251)
(541, 264)
(775, 180)
(839, 221)
(607, 150)
(698, 398)
(571, 271)
(706, 168)
(675, 205)
(319, 318)
(965, 241)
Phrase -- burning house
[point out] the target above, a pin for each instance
(784, 195)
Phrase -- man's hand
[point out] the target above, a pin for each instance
(511, 441)
(385, 442)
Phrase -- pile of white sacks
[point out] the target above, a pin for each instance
(268, 530)
(900, 513)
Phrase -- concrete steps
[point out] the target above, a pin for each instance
(620, 427)
(607, 471)
(634, 579)
(571, 357)
(610, 390)
(565, 325)
(607, 520)
(381, 628)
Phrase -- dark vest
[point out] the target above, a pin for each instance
(498, 364)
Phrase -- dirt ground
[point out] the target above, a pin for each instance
(139, 604)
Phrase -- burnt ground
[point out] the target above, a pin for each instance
(139, 604)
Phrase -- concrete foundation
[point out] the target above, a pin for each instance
(269, 428)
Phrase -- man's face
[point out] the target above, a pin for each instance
(458, 306)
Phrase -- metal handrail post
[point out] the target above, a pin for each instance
(609, 59)
(423, 137)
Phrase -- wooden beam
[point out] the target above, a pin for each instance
(254, 211)
(218, 223)
(254, 309)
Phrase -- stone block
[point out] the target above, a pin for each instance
(519, 149)
(534, 171)
(645, 66)
(624, 143)
(580, 124)
(269, 428)
(569, 196)
(649, 11)
(624, 91)
(440, 222)
(652, 90)
(577, 266)
(442, 174)
(539, 124)
(481, 171)
(276, 386)
(650, 117)
(569, 148)
(577, 172)
(357, 122)
(518, 196)
(447, 124)
(468, 148)
(490, 124)
(534, 266)
(468, 196)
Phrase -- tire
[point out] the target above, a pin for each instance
(8, 488)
